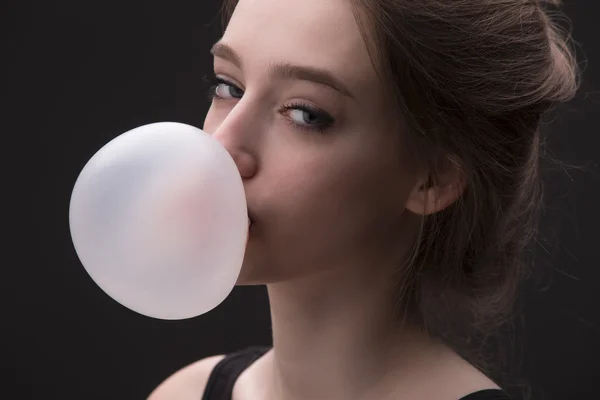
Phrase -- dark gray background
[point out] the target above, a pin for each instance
(77, 74)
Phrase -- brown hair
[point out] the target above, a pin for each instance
(471, 81)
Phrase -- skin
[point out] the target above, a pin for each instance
(336, 201)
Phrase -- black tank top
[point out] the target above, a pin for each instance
(222, 378)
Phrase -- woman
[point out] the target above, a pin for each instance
(389, 150)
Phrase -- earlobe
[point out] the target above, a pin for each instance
(431, 195)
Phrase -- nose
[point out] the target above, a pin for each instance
(235, 134)
(245, 162)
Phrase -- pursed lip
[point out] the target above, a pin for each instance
(250, 220)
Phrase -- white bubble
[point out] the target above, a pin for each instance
(159, 220)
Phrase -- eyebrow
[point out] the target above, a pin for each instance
(286, 70)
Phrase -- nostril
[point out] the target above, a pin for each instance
(246, 162)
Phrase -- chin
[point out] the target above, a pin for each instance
(253, 279)
(253, 274)
(249, 274)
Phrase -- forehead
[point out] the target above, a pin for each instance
(316, 33)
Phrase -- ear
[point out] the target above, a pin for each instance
(438, 189)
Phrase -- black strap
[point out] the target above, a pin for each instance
(488, 394)
(223, 376)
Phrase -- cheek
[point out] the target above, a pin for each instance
(211, 121)
(330, 207)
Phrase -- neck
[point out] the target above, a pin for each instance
(334, 337)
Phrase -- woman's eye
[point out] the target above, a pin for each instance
(304, 117)
(227, 91)
(222, 89)
(307, 117)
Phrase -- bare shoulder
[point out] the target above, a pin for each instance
(187, 383)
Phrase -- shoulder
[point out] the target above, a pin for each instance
(187, 383)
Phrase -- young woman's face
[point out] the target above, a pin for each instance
(299, 106)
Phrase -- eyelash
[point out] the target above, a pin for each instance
(321, 127)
